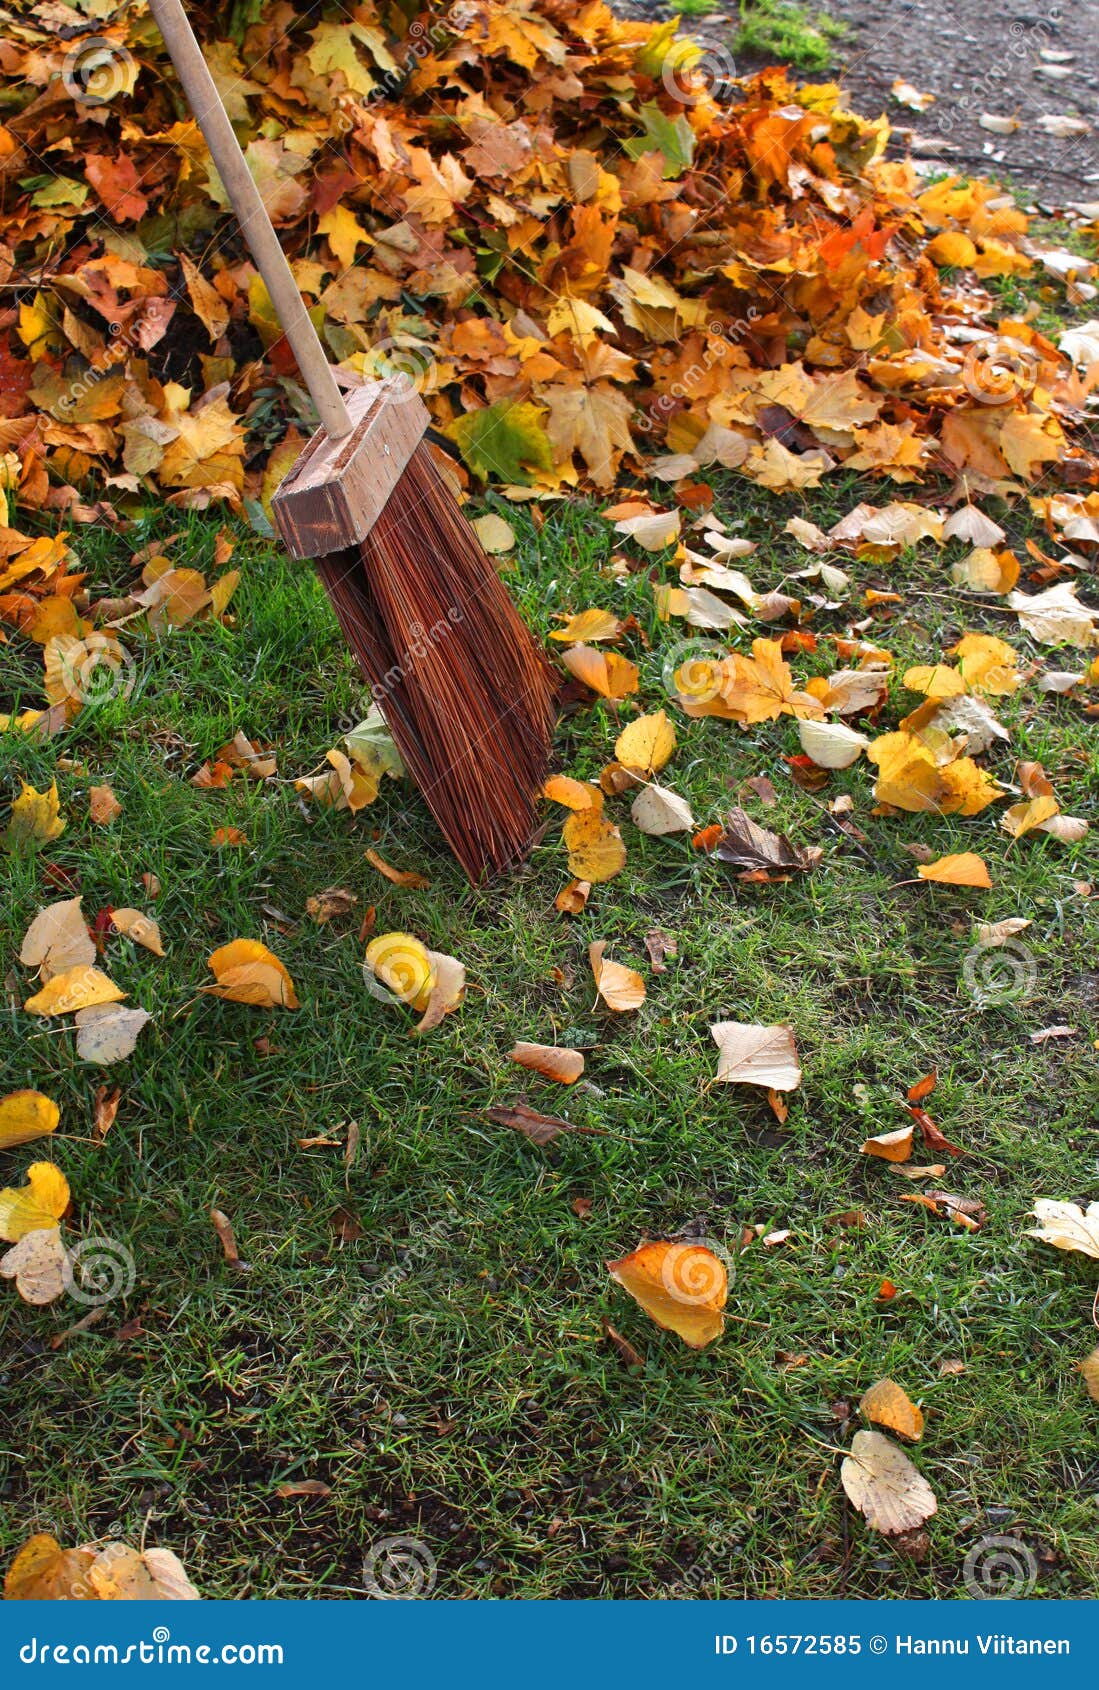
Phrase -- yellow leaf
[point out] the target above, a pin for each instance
(965, 869)
(937, 680)
(76, 988)
(987, 664)
(887, 1405)
(605, 672)
(24, 1116)
(595, 847)
(951, 248)
(42, 1571)
(622, 989)
(588, 625)
(646, 744)
(682, 1287)
(761, 687)
(1025, 817)
(344, 233)
(247, 972)
(35, 819)
(35, 1206)
(447, 992)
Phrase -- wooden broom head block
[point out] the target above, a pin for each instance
(337, 490)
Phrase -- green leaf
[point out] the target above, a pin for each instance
(676, 140)
(503, 441)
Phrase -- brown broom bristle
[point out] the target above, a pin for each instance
(467, 693)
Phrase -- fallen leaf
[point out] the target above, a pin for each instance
(646, 744)
(755, 1055)
(891, 1147)
(25, 1116)
(887, 1405)
(57, 940)
(38, 1264)
(107, 1032)
(966, 869)
(35, 819)
(1067, 1226)
(1058, 1032)
(831, 745)
(660, 945)
(140, 928)
(247, 972)
(553, 1062)
(36, 1206)
(622, 989)
(754, 849)
(540, 1129)
(881, 1482)
(75, 989)
(227, 1238)
(103, 806)
(325, 906)
(658, 811)
(399, 876)
(447, 991)
(1089, 1367)
(605, 672)
(303, 1487)
(994, 933)
(626, 1352)
(683, 1287)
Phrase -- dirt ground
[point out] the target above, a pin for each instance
(1002, 57)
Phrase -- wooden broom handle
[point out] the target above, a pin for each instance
(263, 243)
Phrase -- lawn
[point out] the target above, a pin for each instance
(419, 1327)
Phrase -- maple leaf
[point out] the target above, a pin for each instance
(594, 421)
(505, 440)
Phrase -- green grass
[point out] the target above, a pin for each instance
(788, 33)
(470, 1402)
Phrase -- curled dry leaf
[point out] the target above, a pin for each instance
(1067, 1226)
(399, 876)
(891, 1147)
(888, 1491)
(683, 1287)
(753, 1055)
(622, 989)
(758, 852)
(967, 1212)
(887, 1405)
(626, 1352)
(572, 898)
(140, 928)
(227, 1238)
(831, 745)
(605, 672)
(25, 1116)
(540, 1129)
(247, 972)
(553, 1062)
(447, 991)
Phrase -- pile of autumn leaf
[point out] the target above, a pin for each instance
(535, 209)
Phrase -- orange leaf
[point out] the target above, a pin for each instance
(682, 1287)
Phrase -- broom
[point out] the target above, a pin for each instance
(467, 694)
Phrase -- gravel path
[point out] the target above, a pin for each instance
(977, 57)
